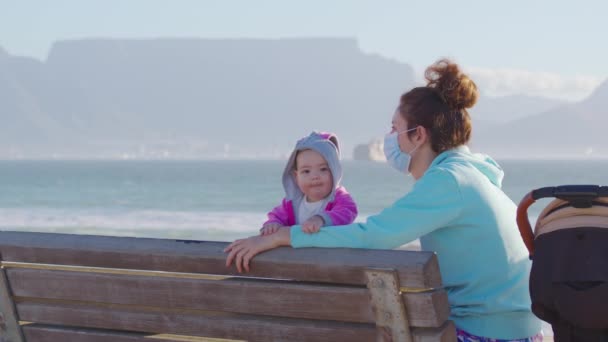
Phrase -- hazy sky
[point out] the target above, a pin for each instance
(550, 48)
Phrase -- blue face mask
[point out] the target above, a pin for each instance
(394, 156)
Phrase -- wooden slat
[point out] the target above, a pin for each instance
(332, 265)
(239, 327)
(45, 333)
(284, 299)
(9, 321)
(387, 305)
(427, 309)
(424, 309)
(236, 327)
(446, 333)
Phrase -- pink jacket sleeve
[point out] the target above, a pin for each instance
(341, 211)
(279, 214)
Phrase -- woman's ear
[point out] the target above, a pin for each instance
(423, 134)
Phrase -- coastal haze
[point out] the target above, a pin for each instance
(249, 99)
(165, 105)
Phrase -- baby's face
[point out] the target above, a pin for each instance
(313, 175)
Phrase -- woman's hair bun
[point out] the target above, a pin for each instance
(456, 89)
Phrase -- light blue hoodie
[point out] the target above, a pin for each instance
(458, 210)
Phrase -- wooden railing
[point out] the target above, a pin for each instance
(56, 287)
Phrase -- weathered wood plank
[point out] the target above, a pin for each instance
(45, 333)
(387, 304)
(9, 322)
(333, 265)
(446, 333)
(427, 309)
(209, 324)
(286, 299)
(238, 327)
(289, 299)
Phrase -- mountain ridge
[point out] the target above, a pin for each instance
(232, 97)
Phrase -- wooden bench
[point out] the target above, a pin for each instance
(61, 287)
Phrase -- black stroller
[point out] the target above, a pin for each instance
(569, 253)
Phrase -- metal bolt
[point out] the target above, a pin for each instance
(388, 316)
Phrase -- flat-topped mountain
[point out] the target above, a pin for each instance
(245, 97)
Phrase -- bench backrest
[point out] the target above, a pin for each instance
(56, 287)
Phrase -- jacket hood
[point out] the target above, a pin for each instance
(325, 144)
(483, 163)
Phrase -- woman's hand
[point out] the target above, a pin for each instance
(242, 251)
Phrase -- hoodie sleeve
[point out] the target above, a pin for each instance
(278, 214)
(343, 209)
(434, 202)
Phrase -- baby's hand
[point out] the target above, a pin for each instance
(312, 225)
(270, 228)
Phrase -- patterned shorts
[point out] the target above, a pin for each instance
(464, 336)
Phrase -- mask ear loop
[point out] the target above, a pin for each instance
(415, 148)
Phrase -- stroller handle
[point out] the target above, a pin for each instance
(579, 196)
(523, 222)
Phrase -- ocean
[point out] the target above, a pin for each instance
(211, 200)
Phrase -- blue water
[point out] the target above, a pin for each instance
(213, 200)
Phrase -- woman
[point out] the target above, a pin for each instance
(456, 208)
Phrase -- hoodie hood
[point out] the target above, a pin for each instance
(483, 163)
(326, 144)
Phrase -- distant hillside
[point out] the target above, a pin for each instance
(509, 108)
(248, 94)
(577, 129)
(209, 98)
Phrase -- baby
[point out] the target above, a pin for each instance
(314, 197)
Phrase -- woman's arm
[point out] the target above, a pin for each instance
(434, 202)
(242, 251)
